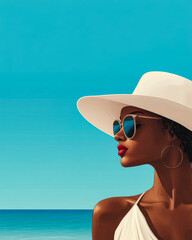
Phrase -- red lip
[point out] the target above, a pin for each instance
(121, 152)
(121, 147)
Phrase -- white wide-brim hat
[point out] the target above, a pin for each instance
(163, 93)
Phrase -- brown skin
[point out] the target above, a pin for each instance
(167, 206)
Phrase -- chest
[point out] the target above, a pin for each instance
(169, 224)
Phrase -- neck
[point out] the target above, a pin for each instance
(173, 186)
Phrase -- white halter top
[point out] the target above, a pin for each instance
(134, 226)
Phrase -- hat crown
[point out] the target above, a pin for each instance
(165, 85)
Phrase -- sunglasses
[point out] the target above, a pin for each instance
(129, 125)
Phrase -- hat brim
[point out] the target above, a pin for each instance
(102, 110)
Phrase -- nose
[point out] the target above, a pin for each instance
(120, 135)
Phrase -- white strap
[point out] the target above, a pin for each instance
(140, 197)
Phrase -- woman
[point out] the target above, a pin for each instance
(153, 125)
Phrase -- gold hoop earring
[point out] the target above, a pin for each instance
(164, 150)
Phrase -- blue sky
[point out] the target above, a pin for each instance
(51, 54)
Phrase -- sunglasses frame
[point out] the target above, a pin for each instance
(134, 119)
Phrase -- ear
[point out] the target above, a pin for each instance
(175, 140)
(169, 137)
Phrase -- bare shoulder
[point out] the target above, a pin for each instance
(107, 215)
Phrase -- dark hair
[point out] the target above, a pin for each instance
(183, 134)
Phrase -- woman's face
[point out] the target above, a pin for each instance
(146, 146)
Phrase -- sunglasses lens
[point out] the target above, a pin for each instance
(116, 127)
(129, 126)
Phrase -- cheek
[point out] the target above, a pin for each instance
(145, 147)
(148, 141)
(155, 142)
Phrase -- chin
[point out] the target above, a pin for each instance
(125, 162)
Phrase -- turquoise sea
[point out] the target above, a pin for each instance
(46, 224)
